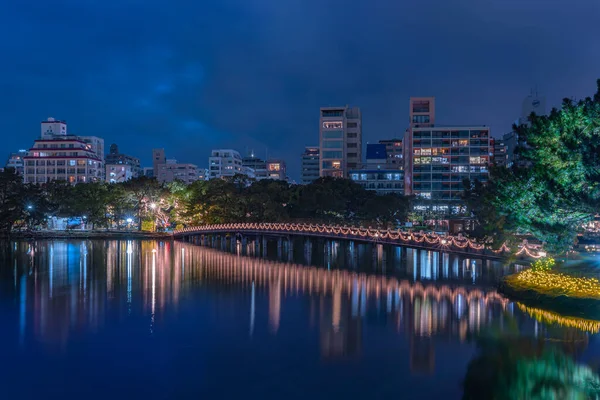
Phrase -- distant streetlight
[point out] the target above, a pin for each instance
(129, 220)
(153, 206)
(30, 207)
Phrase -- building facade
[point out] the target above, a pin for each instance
(227, 162)
(16, 161)
(61, 157)
(276, 169)
(173, 171)
(258, 165)
(118, 173)
(442, 157)
(115, 158)
(421, 114)
(378, 173)
(340, 140)
(310, 165)
(158, 158)
(395, 153)
(500, 158)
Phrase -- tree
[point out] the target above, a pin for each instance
(12, 207)
(142, 192)
(556, 187)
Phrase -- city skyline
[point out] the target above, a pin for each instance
(226, 80)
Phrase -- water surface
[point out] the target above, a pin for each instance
(157, 320)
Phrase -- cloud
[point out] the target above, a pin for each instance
(190, 76)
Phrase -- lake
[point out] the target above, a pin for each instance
(99, 319)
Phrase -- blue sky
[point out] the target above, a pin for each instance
(251, 74)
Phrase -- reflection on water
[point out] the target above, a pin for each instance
(424, 309)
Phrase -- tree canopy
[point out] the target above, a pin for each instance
(554, 188)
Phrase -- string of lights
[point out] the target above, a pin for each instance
(406, 238)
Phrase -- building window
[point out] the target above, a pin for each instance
(333, 125)
(72, 163)
(352, 135)
(352, 155)
(332, 154)
(352, 145)
(421, 106)
(352, 125)
(332, 113)
(333, 144)
(333, 134)
(420, 119)
(336, 164)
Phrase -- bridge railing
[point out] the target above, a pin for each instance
(406, 238)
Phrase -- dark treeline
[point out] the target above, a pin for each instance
(147, 204)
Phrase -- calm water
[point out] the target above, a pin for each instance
(158, 320)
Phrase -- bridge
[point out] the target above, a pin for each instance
(260, 232)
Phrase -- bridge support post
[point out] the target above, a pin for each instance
(374, 250)
(290, 249)
(279, 247)
(264, 246)
(256, 247)
(383, 256)
(223, 242)
(327, 252)
(307, 251)
(244, 245)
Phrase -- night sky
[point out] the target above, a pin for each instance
(194, 75)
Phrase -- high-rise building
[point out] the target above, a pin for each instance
(378, 173)
(227, 162)
(62, 157)
(421, 114)
(258, 165)
(171, 171)
(15, 161)
(115, 158)
(394, 150)
(158, 158)
(499, 148)
(148, 172)
(340, 140)
(310, 165)
(442, 157)
(534, 103)
(276, 169)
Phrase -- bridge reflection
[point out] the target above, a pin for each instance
(77, 286)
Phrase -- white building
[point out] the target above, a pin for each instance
(16, 161)
(173, 171)
(227, 162)
(58, 156)
(340, 140)
(117, 173)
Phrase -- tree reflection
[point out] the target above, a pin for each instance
(527, 368)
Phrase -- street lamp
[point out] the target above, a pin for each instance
(129, 220)
(153, 206)
(30, 207)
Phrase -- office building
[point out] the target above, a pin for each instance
(59, 156)
(310, 165)
(225, 163)
(394, 150)
(378, 173)
(114, 157)
(442, 157)
(421, 114)
(340, 140)
(276, 169)
(258, 165)
(117, 173)
(158, 158)
(171, 171)
(15, 161)
(500, 158)
(533, 103)
(148, 172)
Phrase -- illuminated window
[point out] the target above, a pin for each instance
(426, 152)
(417, 152)
(336, 164)
(424, 195)
(333, 124)
(274, 167)
(417, 160)
(463, 142)
(476, 160)
(72, 163)
(425, 160)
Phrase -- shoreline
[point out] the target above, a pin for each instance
(564, 305)
(50, 235)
